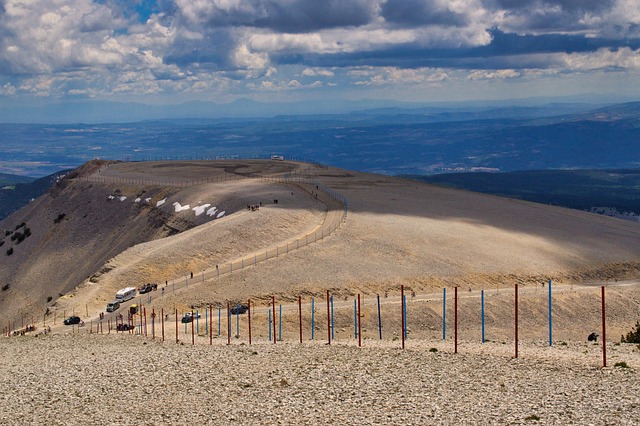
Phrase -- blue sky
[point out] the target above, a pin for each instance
(167, 52)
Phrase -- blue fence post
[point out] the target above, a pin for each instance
(333, 328)
(313, 319)
(355, 320)
(444, 314)
(237, 321)
(280, 325)
(379, 319)
(482, 310)
(269, 323)
(197, 322)
(550, 317)
(404, 312)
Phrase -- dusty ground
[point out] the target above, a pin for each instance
(395, 233)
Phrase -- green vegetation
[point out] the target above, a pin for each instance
(532, 417)
(433, 350)
(621, 364)
(632, 336)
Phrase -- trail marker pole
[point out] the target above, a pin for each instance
(359, 324)
(402, 312)
(269, 322)
(482, 312)
(299, 313)
(516, 320)
(313, 319)
(550, 317)
(249, 318)
(280, 324)
(273, 302)
(604, 332)
(176, 326)
(333, 323)
(162, 313)
(228, 323)
(455, 320)
(211, 325)
(355, 319)
(444, 313)
(404, 303)
(237, 321)
(379, 319)
(219, 320)
(193, 334)
(328, 320)
(153, 324)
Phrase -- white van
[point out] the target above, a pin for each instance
(125, 294)
(277, 157)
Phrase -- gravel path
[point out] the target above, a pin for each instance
(109, 379)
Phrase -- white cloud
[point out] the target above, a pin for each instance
(372, 76)
(493, 74)
(316, 72)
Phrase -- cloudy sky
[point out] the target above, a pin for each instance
(171, 51)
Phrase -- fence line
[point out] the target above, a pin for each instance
(295, 317)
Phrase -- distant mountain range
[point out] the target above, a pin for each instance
(18, 191)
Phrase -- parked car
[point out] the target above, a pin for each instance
(145, 288)
(113, 306)
(239, 309)
(72, 320)
(189, 316)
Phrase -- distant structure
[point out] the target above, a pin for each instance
(277, 157)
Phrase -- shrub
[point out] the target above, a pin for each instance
(633, 336)
(433, 350)
(7, 233)
(621, 364)
(5, 287)
(10, 251)
(532, 417)
(59, 218)
(49, 299)
(1, 243)
(20, 226)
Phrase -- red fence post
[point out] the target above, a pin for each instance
(162, 313)
(328, 320)
(516, 319)
(604, 333)
(177, 340)
(228, 323)
(249, 318)
(210, 325)
(300, 316)
(455, 320)
(193, 334)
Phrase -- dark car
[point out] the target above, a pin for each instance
(145, 289)
(239, 309)
(188, 317)
(72, 320)
(124, 327)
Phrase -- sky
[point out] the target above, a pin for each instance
(173, 51)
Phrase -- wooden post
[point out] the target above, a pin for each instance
(516, 320)
(359, 323)
(328, 320)
(273, 303)
(604, 332)
(249, 318)
(402, 312)
(300, 315)
(455, 320)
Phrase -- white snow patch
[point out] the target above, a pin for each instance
(220, 214)
(212, 211)
(137, 200)
(148, 200)
(180, 207)
(122, 198)
(200, 209)
(111, 197)
(161, 202)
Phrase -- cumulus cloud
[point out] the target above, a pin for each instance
(101, 47)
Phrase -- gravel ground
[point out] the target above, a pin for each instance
(125, 379)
